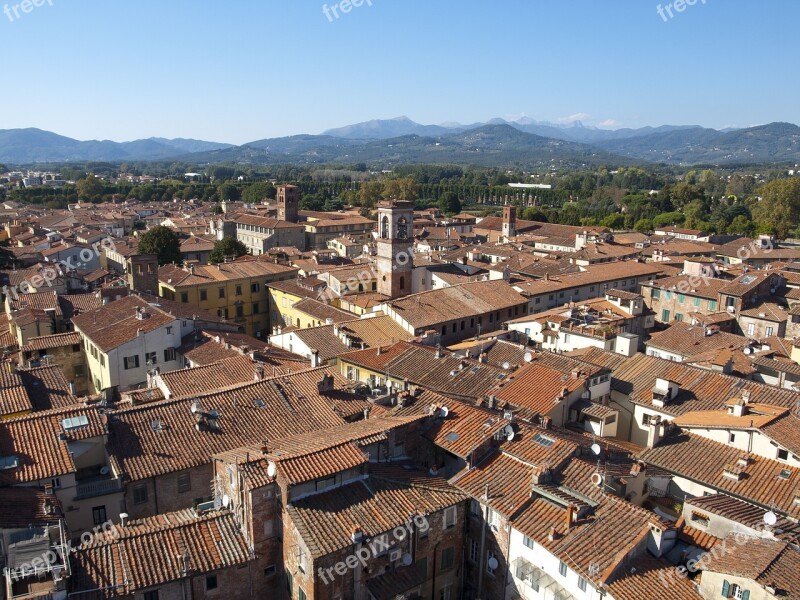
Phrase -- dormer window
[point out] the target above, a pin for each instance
(783, 454)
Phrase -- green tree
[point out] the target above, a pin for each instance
(90, 188)
(670, 218)
(615, 221)
(741, 225)
(228, 191)
(534, 214)
(163, 242)
(371, 193)
(228, 247)
(778, 210)
(258, 192)
(643, 226)
(449, 203)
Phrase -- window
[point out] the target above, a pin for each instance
(203, 295)
(169, 330)
(221, 292)
(491, 562)
(255, 287)
(731, 438)
(99, 515)
(697, 301)
(528, 542)
(170, 355)
(239, 290)
(150, 358)
(475, 508)
(645, 419)
(733, 590)
(255, 308)
(102, 360)
(665, 315)
(240, 311)
(562, 568)
(769, 331)
(678, 317)
(422, 567)
(712, 305)
(131, 362)
(301, 595)
(493, 519)
(184, 297)
(56, 483)
(450, 515)
(581, 583)
(140, 493)
(184, 483)
(211, 582)
(656, 294)
(447, 558)
(269, 571)
(783, 454)
(681, 298)
(751, 328)
(151, 595)
(473, 550)
(302, 559)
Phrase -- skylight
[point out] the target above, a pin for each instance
(748, 279)
(543, 441)
(452, 437)
(72, 423)
(8, 462)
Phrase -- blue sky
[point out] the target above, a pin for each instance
(238, 71)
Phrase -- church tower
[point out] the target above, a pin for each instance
(288, 201)
(395, 247)
(509, 222)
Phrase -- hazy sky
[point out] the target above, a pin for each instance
(238, 71)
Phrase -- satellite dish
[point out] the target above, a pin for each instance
(597, 479)
(747, 350)
(508, 431)
(770, 518)
(272, 470)
(506, 366)
(528, 357)
(226, 501)
(105, 471)
(493, 564)
(444, 411)
(195, 407)
(596, 449)
(407, 559)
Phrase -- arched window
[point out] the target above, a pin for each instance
(385, 228)
(402, 228)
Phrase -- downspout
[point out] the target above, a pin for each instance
(484, 525)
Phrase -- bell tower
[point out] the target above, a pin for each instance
(395, 247)
(288, 200)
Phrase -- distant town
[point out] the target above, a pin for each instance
(378, 382)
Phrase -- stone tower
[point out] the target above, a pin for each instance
(288, 202)
(509, 221)
(395, 247)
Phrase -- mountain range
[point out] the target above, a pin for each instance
(382, 143)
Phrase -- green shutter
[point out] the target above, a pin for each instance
(746, 595)
(726, 587)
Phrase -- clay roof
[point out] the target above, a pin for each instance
(151, 552)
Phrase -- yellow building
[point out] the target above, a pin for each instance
(237, 291)
(284, 295)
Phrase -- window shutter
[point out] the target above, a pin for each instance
(726, 587)
(746, 595)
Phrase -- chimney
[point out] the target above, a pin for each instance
(315, 360)
(123, 519)
(571, 515)
(552, 535)
(654, 431)
(259, 372)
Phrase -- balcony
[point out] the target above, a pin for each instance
(103, 487)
